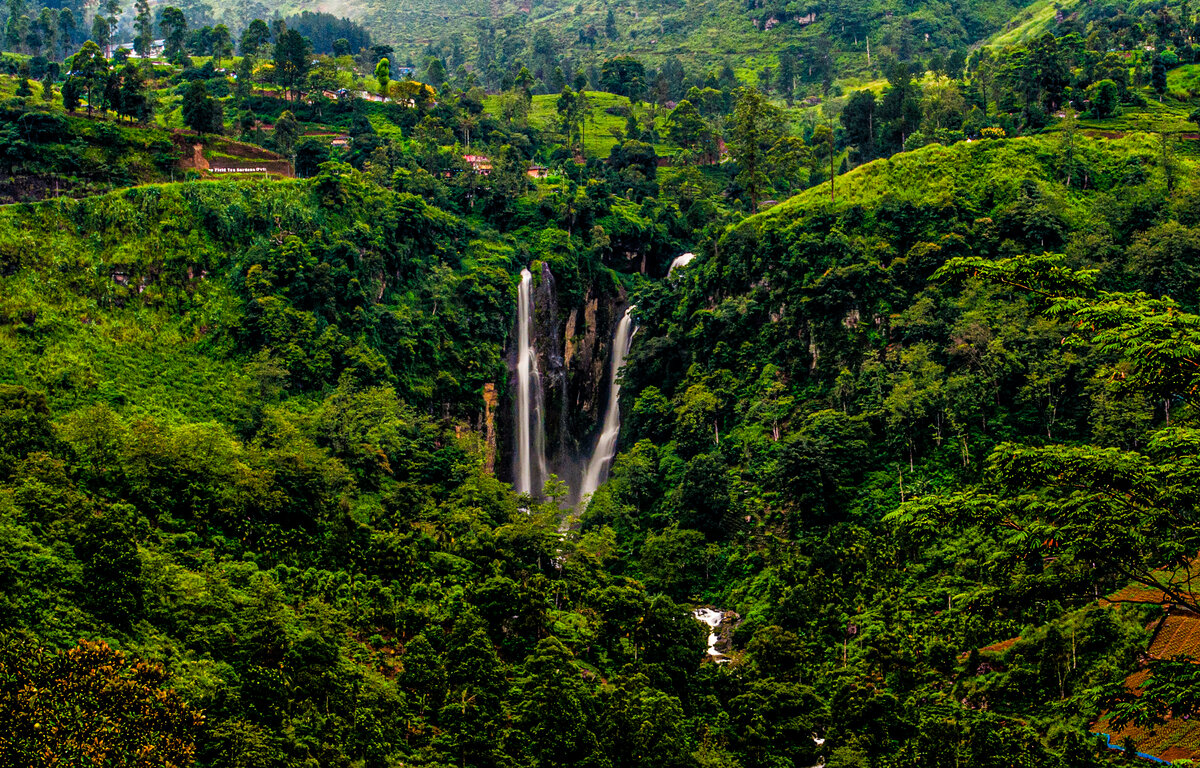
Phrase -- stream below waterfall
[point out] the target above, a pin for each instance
(712, 618)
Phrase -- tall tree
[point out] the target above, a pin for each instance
(222, 43)
(47, 24)
(900, 110)
(755, 129)
(135, 102)
(858, 119)
(143, 26)
(113, 9)
(254, 37)
(100, 31)
(1158, 77)
(293, 59)
(785, 76)
(90, 70)
(174, 30)
(287, 133)
(66, 30)
(201, 112)
(383, 73)
(15, 26)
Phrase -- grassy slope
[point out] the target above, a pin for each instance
(1031, 22)
(997, 167)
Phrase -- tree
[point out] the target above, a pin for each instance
(100, 32)
(435, 71)
(610, 25)
(643, 726)
(755, 129)
(222, 44)
(245, 79)
(623, 75)
(173, 25)
(287, 133)
(686, 128)
(201, 112)
(91, 71)
(66, 29)
(143, 26)
(24, 425)
(569, 107)
(254, 37)
(113, 9)
(47, 26)
(383, 73)
(554, 713)
(134, 99)
(93, 704)
(900, 110)
(1104, 97)
(70, 95)
(789, 158)
(293, 59)
(1158, 77)
(858, 119)
(15, 27)
(310, 153)
(112, 572)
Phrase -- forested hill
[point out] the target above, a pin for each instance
(244, 461)
(935, 414)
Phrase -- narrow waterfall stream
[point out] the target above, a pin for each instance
(682, 260)
(601, 459)
(530, 431)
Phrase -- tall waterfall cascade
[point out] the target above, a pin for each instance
(530, 453)
(606, 448)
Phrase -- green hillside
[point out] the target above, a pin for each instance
(680, 391)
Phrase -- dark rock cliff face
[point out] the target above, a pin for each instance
(573, 345)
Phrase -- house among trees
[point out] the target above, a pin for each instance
(481, 164)
(156, 49)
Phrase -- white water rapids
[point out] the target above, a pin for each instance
(682, 260)
(606, 448)
(712, 618)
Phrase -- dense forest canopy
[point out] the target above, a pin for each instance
(902, 456)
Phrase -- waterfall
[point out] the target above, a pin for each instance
(606, 447)
(681, 260)
(530, 431)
